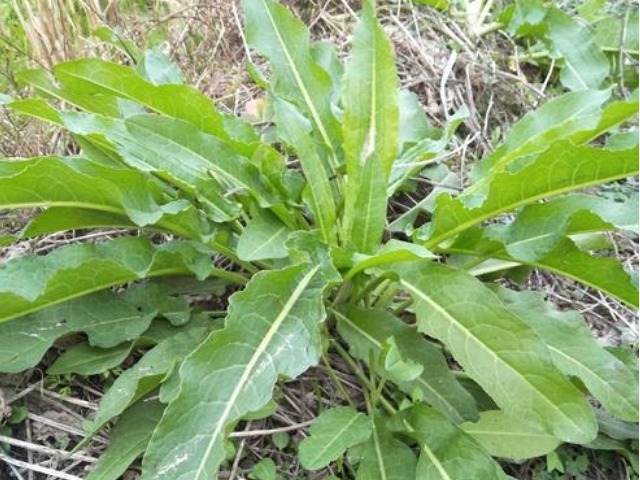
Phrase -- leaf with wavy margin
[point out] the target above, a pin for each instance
(561, 168)
(497, 350)
(575, 352)
(509, 437)
(273, 31)
(83, 184)
(446, 452)
(332, 433)
(31, 283)
(271, 329)
(370, 131)
(367, 331)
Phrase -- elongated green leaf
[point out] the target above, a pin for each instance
(367, 331)
(107, 318)
(394, 251)
(149, 372)
(423, 153)
(263, 239)
(190, 173)
(36, 108)
(370, 130)
(60, 219)
(613, 115)
(386, 458)
(30, 283)
(284, 40)
(561, 168)
(84, 359)
(566, 259)
(333, 432)
(497, 350)
(446, 452)
(585, 66)
(567, 116)
(294, 129)
(94, 76)
(178, 139)
(81, 183)
(577, 353)
(103, 104)
(128, 440)
(538, 228)
(271, 330)
(158, 68)
(615, 428)
(508, 437)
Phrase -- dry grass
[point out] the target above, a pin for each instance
(438, 59)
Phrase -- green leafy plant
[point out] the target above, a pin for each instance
(293, 218)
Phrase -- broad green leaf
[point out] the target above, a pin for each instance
(446, 452)
(60, 219)
(178, 139)
(30, 283)
(585, 66)
(81, 183)
(497, 350)
(107, 318)
(333, 432)
(284, 40)
(424, 153)
(265, 469)
(566, 259)
(613, 115)
(263, 238)
(188, 171)
(616, 429)
(103, 104)
(538, 228)
(370, 130)
(84, 359)
(94, 76)
(613, 34)
(128, 440)
(295, 130)
(271, 329)
(384, 457)
(561, 168)
(36, 108)
(571, 115)
(158, 68)
(148, 373)
(394, 251)
(412, 119)
(367, 331)
(509, 437)
(577, 353)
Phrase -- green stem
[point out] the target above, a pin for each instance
(355, 368)
(336, 380)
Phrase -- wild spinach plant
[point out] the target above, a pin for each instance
(291, 214)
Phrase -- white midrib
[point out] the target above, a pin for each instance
(375, 342)
(301, 85)
(436, 462)
(379, 457)
(222, 421)
(607, 384)
(270, 240)
(468, 334)
(336, 436)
